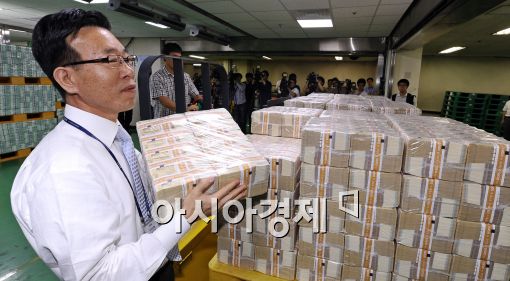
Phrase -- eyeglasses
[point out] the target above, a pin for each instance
(115, 61)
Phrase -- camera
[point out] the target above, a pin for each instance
(284, 86)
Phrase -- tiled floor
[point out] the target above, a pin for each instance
(18, 260)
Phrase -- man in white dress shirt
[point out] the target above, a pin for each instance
(74, 196)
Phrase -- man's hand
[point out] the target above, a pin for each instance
(231, 191)
(198, 97)
(193, 107)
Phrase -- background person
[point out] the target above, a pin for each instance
(162, 86)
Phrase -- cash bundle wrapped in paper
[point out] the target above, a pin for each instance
(280, 121)
(284, 156)
(383, 105)
(275, 262)
(313, 268)
(464, 268)
(349, 102)
(418, 264)
(181, 149)
(430, 196)
(317, 101)
(426, 231)
(485, 203)
(365, 144)
(441, 148)
(236, 253)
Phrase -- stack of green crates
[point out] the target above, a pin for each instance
(20, 135)
(479, 110)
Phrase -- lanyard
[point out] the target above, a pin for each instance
(77, 126)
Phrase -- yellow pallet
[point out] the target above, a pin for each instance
(15, 155)
(23, 117)
(197, 247)
(223, 272)
(18, 80)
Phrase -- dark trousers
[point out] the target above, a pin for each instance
(240, 116)
(506, 128)
(166, 273)
(125, 118)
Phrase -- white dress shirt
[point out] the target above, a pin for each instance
(78, 211)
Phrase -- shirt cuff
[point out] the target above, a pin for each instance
(167, 233)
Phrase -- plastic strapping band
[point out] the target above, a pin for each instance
(273, 176)
(265, 123)
(368, 250)
(498, 172)
(481, 270)
(377, 150)
(437, 159)
(296, 126)
(423, 264)
(486, 239)
(326, 148)
(490, 201)
(430, 196)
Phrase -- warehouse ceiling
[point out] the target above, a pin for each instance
(273, 19)
(476, 35)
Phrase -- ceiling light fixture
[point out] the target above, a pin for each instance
(451, 50)
(156, 24)
(266, 58)
(197, 64)
(92, 1)
(17, 30)
(197, 57)
(503, 32)
(339, 58)
(315, 23)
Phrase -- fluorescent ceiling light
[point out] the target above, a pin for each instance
(315, 23)
(92, 2)
(17, 30)
(451, 50)
(503, 32)
(339, 58)
(266, 58)
(156, 24)
(197, 57)
(197, 64)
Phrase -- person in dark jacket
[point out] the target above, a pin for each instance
(403, 95)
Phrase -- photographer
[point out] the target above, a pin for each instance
(320, 85)
(282, 86)
(264, 88)
(313, 85)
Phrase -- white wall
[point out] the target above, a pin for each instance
(464, 74)
(408, 66)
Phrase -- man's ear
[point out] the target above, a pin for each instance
(66, 78)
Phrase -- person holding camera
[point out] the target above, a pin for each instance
(264, 89)
(282, 86)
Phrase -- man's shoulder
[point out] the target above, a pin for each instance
(160, 73)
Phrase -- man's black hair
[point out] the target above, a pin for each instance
(49, 45)
(403, 81)
(238, 75)
(370, 78)
(321, 79)
(170, 48)
(265, 72)
(361, 81)
(249, 75)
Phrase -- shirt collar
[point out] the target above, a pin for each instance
(102, 128)
(166, 71)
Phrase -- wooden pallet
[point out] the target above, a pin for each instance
(17, 80)
(27, 117)
(15, 155)
(60, 105)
